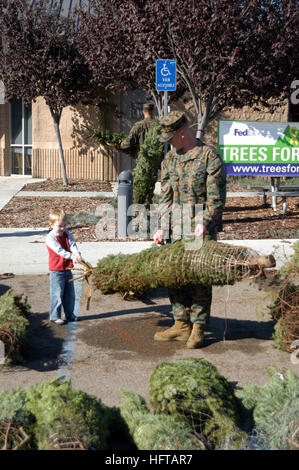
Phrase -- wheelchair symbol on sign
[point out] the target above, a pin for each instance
(165, 70)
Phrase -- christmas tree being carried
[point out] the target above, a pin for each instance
(175, 265)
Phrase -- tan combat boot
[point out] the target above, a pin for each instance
(197, 337)
(180, 331)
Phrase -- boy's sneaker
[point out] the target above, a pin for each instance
(58, 321)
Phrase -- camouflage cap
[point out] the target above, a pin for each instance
(171, 123)
(149, 106)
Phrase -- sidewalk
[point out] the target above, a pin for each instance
(11, 185)
(108, 194)
(23, 250)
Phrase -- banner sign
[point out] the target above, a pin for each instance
(259, 148)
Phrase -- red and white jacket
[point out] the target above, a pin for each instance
(62, 248)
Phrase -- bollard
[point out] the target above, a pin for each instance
(124, 200)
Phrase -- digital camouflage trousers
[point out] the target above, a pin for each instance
(191, 303)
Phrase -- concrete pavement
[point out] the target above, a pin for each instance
(11, 185)
(104, 194)
(23, 250)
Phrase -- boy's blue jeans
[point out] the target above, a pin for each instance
(64, 294)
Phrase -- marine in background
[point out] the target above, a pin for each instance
(132, 143)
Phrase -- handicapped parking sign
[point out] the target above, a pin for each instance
(165, 75)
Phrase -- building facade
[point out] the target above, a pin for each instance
(28, 144)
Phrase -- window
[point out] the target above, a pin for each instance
(20, 138)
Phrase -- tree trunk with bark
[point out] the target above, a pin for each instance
(56, 115)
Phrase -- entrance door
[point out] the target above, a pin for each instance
(20, 138)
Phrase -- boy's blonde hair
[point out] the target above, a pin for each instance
(57, 215)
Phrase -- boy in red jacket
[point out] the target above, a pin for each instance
(63, 251)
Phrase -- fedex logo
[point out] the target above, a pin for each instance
(246, 132)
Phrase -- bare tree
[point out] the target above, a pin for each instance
(39, 57)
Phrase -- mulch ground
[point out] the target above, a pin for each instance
(243, 218)
(247, 218)
(74, 185)
(34, 212)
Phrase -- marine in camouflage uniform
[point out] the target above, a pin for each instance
(194, 177)
(132, 143)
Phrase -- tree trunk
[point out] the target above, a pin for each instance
(158, 99)
(202, 120)
(56, 120)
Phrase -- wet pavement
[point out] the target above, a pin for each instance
(112, 347)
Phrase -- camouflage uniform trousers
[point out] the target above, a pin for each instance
(192, 303)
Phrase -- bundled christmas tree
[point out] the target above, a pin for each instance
(14, 323)
(155, 431)
(275, 409)
(15, 421)
(52, 416)
(176, 265)
(66, 417)
(285, 308)
(194, 391)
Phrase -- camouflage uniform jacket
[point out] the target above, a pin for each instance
(132, 143)
(195, 177)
